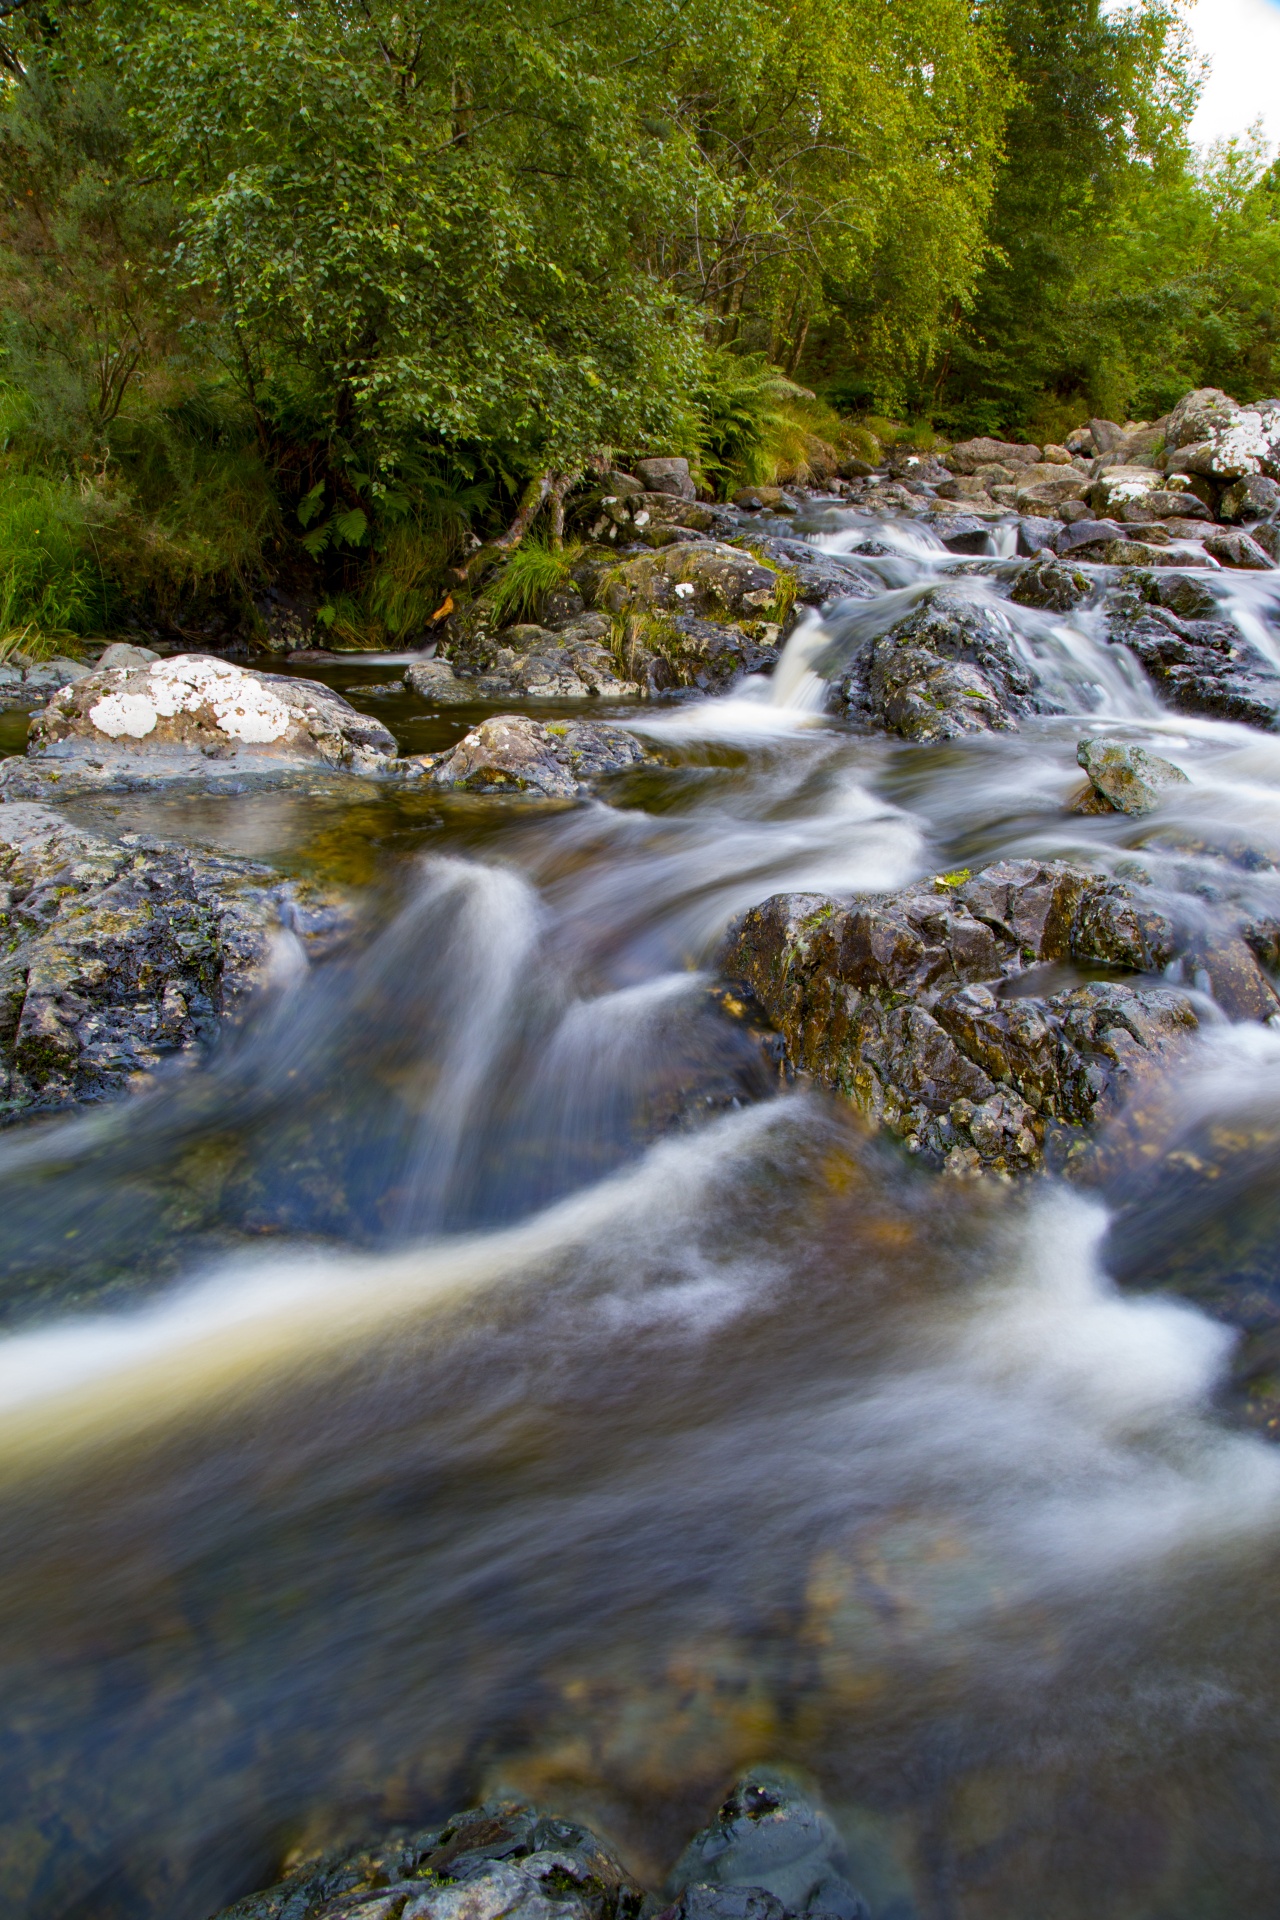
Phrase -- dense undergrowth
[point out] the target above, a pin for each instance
(310, 319)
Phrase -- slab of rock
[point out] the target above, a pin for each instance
(948, 668)
(668, 474)
(553, 760)
(1088, 533)
(501, 1861)
(1126, 778)
(772, 1846)
(919, 1008)
(115, 954)
(1050, 490)
(435, 680)
(1238, 550)
(196, 714)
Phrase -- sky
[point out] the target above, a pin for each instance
(1242, 38)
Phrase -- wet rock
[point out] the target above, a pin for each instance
(1047, 583)
(969, 455)
(667, 475)
(118, 954)
(756, 499)
(950, 667)
(435, 680)
(547, 759)
(1050, 491)
(535, 663)
(29, 683)
(1037, 535)
(1198, 661)
(1127, 778)
(1088, 533)
(964, 533)
(1238, 550)
(1255, 497)
(195, 714)
(664, 654)
(501, 1861)
(943, 1012)
(768, 1839)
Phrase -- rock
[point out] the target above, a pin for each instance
(1046, 583)
(1056, 456)
(1081, 442)
(964, 533)
(1197, 660)
(1050, 492)
(195, 714)
(435, 680)
(767, 1839)
(121, 653)
(1128, 778)
(972, 454)
(1106, 435)
(667, 475)
(622, 484)
(1209, 434)
(950, 667)
(1254, 497)
(918, 1007)
(29, 683)
(1267, 536)
(1036, 535)
(1138, 446)
(1120, 487)
(1238, 550)
(547, 759)
(501, 1861)
(963, 487)
(1088, 533)
(664, 654)
(117, 954)
(715, 581)
(757, 499)
(533, 663)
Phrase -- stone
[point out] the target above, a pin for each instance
(1254, 497)
(1088, 533)
(1198, 661)
(1057, 456)
(1210, 435)
(681, 651)
(1128, 778)
(533, 663)
(920, 1007)
(1239, 551)
(963, 487)
(29, 683)
(1046, 583)
(1267, 536)
(196, 714)
(499, 1861)
(969, 455)
(1123, 487)
(554, 760)
(621, 484)
(1106, 435)
(118, 954)
(757, 499)
(435, 680)
(715, 581)
(1036, 535)
(667, 475)
(769, 1837)
(1162, 503)
(1050, 492)
(948, 668)
(1080, 442)
(122, 653)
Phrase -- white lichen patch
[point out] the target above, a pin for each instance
(119, 713)
(241, 705)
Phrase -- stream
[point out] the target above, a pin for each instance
(485, 1374)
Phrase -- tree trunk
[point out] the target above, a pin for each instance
(562, 484)
(531, 504)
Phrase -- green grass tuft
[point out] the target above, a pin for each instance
(533, 571)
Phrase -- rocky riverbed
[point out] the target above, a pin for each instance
(680, 1180)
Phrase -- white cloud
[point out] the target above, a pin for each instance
(1242, 39)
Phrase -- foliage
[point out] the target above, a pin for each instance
(50, 580)
(533, 571)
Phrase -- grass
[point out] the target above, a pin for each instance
(533, 571)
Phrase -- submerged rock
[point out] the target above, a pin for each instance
(922, 1008)
(950, 667)
(115, 954)
(773, 1849)
(557, 760)
(196, 714)
(501, 1861)
(1127, 778)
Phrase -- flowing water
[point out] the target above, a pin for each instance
(486, 1374)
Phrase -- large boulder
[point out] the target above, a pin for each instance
(1199, 661)
(969, 455)
(917, 1007)
(1255, 497)
(714, 581)
(949, 667)
(501, 1861)
(116, 954)
(667, 474)
(196, 714)
(551, 760)
(1209, 434)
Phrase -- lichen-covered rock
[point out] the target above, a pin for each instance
(574, 662)
(554, 760)
(1198, 660)
(1126, 777)
(501, 1861)
(194, 713)
(665, 653)
(950, 667)
(115, 954)
(715, 582)
(917, 1007)
(776, 1849)
(1209, 434)
(435, 680)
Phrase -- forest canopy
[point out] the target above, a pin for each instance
(332, 286)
